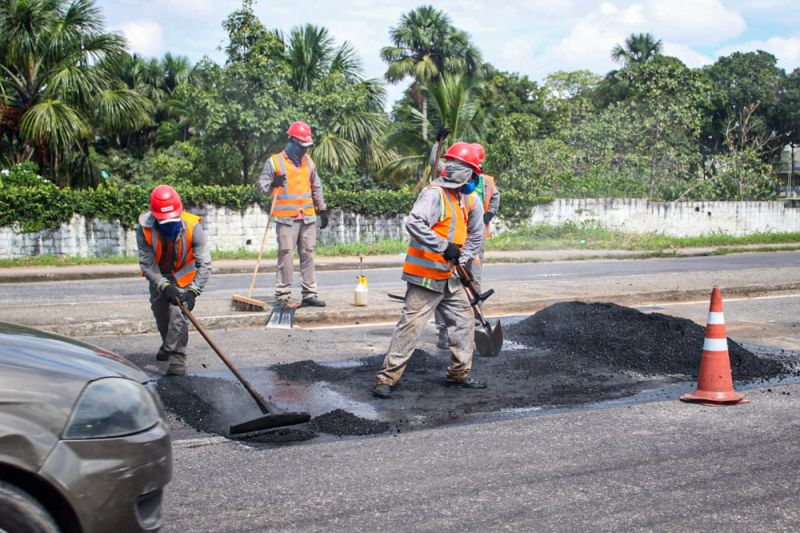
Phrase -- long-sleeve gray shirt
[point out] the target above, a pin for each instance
(426, 213)
(264, 185)
(149, 264)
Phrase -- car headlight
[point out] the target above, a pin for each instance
(112, 407)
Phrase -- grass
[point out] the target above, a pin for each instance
(571, 235)
(541, 237)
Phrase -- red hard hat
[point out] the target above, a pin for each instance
(300, 131)
(480, 150)
(165, 203)
(465, 153)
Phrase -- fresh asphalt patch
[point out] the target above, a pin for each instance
(569, 354)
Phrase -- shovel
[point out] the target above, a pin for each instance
(489, 340)
(282, 316)
(270, 418)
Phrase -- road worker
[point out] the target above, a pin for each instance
(297, 203)
(490, 198)
(446, 227)
(174, 257)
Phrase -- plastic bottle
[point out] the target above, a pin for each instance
(361, 292)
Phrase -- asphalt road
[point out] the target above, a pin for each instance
(224, 285)
(656, 466)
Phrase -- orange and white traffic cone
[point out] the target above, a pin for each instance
(715, 383)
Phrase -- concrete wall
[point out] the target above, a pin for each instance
(231, 230)
(672, 218)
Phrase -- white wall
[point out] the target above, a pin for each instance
(231, 230)
(672, 218)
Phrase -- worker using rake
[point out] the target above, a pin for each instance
(446, 227)
(175, 259)
(297, 202)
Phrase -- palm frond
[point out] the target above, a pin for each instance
(54, 122)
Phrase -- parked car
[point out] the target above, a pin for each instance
(83, 442)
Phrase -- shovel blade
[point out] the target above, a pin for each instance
(489, 339)
(282, 316)
(269, 421)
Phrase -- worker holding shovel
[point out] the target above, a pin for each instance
(297, 202)
(490, 198)
(175, 259)
(446, 227)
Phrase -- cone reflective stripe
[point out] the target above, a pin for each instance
(715, 382)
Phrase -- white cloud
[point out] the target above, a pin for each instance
(786, 49)
(145, 37)
(689, 56)
(694, 22)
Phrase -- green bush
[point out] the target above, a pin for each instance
(46, 206)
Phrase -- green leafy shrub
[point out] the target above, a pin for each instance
(22, 175)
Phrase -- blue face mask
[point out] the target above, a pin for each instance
(170, 230)
(470, 186)
(295, 152)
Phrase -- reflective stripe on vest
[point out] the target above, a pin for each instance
(184, 269)
(294, 196)
(488, 192)
(424, 264)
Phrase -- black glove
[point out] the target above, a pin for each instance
(170, 292)
(323, 219)
(442, 134)
(189, 298)
(487, 217)
(278, 181)
(452, 252)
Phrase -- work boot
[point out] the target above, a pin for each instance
(177, 364)
(176, 369)
(312, 301)
(444, 339)
(468, 383)
(382, 390)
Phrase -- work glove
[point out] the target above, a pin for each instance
(442, 134)
(452, 252)
(189, 298)
(323, 219)
(487, 217)
(278, 181)
(170, 292)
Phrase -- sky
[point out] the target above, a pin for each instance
(532, 37)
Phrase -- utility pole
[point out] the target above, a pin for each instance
(791, 171)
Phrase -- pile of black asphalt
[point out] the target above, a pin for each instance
(566, 355)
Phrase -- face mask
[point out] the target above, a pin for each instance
(295, 152)
(470, 186)
(170, 230)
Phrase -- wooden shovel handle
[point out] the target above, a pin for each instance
(262, 403)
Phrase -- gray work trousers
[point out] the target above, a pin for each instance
(419, 306)
(304, 237)
(172, 326)
(476, 267)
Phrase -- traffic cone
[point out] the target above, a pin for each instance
(715, 383)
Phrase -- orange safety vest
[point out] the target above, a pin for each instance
(184, 269)
(488, 192)
(295, 196)
(425, 265)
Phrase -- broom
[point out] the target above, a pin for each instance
(248, 303)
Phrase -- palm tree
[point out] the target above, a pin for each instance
(312, 55)
(425, 46)
(639, 48)
(49, 59)
(455, 104)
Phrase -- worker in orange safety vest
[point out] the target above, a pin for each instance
(489, 196)
(291, 178)
(446, 227)
(175, 259)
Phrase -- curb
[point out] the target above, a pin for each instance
(89, 272)
(363, 316)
